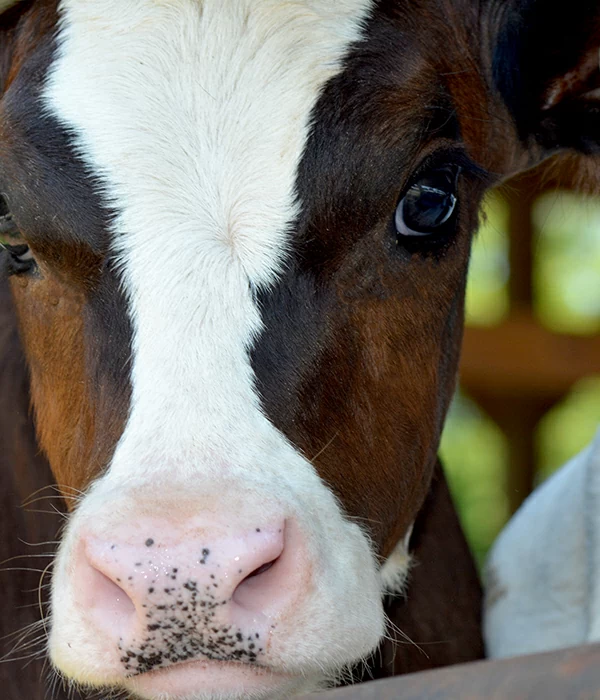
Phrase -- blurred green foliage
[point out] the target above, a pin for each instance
(487, 287)
(566, 300)
(568, 427)
(567, 262)
(474, 454)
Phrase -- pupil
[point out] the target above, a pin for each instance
(427, 208)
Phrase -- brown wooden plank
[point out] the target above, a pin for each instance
(573, 674)
(520, 358)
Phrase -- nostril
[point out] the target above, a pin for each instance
(109, 596)
(259, 587)
(261, 569)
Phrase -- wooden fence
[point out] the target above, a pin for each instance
(518, 370)
(572, 674)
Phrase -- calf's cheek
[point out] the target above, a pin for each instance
(51, 327)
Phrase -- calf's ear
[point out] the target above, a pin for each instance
(546, 65)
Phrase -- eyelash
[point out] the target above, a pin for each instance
(457, 157)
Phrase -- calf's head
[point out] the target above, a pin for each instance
(239, 234)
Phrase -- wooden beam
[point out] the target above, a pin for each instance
(572, 674)
(521, 358)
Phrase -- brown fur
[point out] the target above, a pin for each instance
(391, 417)
(25, 478)
(79, 417)
(437, 622)
(51, 325)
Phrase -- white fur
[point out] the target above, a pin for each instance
(195, 115)
(543, 588)
(395, 570)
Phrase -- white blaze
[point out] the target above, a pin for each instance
(196, 114)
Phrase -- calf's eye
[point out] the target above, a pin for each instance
(19, 256)
(429, 204)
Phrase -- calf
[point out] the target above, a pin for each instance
(238, 236)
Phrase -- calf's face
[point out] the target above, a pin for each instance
(239, 239)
